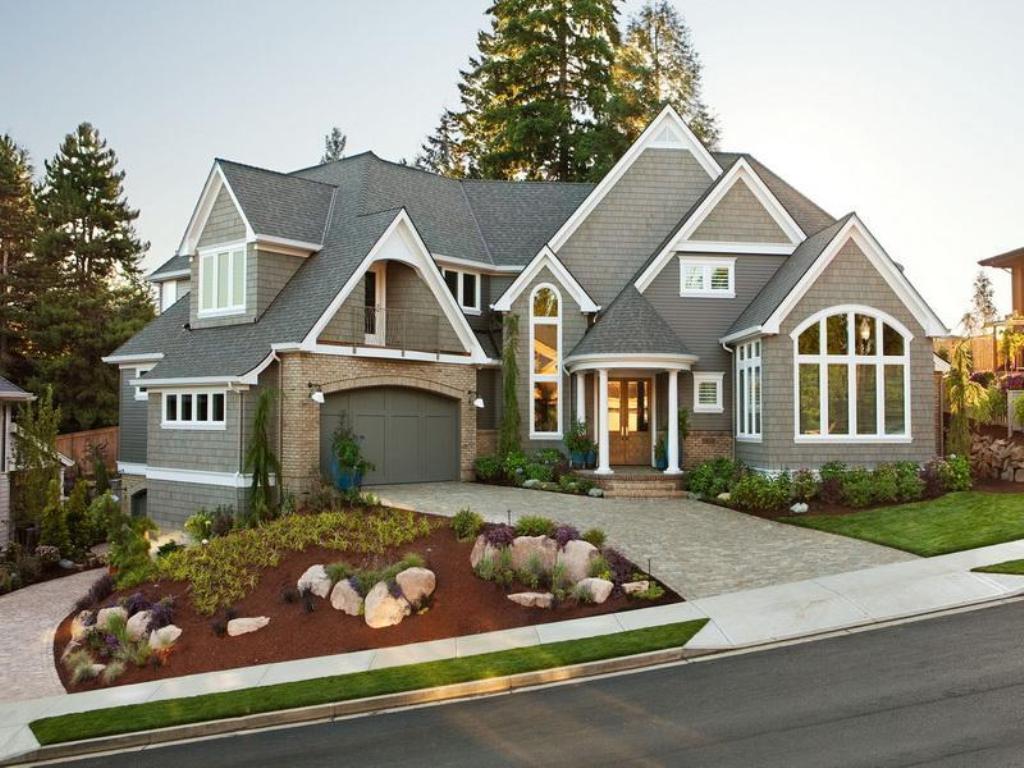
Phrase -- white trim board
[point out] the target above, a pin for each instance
(129, 360)
(740, 172)
(199, 477)
(546, 258)
(214, 181)
(630, 360)
(175, 274)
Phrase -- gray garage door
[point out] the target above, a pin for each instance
(409, 435)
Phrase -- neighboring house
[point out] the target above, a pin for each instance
(987, 348)
(11, 396)
(685, 278)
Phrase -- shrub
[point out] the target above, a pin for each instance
(832, 474)
(595, 536)
(504, 573)
(134, 603)
(76, 519)
(338, 571)
(550, 457)
(564, 534)
(761, 493)
(80, 665)
(47, 555)
(167, 547)
(467, 524)
(487, 468)
(956, 474)
(101, 589)
(714, 476)
(514, 465)
(499, 535)
(129, 550)
(161, 613)
(535, 525)
(223, 521)
(909, 485)
(560, 581)
(219, 627)
(485, 569)
(535, 471)
(200, 525)
(932, 478)
(804, 486)
(289, 595)
(53, 528)
(654, 591)
(857, 488)
(102, 514)
(620, 567)
(599, 568)
(533, 573)
(112, 671)
(581, 593)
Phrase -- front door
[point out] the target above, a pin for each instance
(629, 423)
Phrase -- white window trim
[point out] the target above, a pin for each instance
(193, 424)
(747, 408)
(703, 377)
(469, 307)
(141, 395)
(556, 377)
(851, 360)
(708, 263)
(235, 308)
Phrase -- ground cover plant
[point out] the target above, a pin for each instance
(547, 470)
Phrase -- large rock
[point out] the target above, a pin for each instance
(244, 626)
(344, 597)
(532, 599)
(481, 549)
(382, 609)
(315, 580)
(138, 625)
(599, 589)
(106, 614)
(417, 584)
(576, 557)
(82, 625)
(636, 587)
(525, 547)
(165, 637)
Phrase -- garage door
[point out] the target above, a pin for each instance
(410, 436)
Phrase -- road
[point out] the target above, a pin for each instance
(944, 692)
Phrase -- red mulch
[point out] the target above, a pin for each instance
(463, 604)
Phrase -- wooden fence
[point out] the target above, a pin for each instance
(77, 446)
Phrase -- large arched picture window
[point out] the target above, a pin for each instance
(545, 361)
(852, 377)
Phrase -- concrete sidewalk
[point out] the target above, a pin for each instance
(740, 619)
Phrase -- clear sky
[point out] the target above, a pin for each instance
(909, 112)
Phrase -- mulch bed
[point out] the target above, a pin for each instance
(462, 604)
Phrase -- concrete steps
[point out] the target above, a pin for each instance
(644, 493)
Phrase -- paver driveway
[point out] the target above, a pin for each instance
(697, 549)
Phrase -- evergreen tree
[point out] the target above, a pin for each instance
(658, 65)
(35, 454)
(508, 435)
(443, 151)
(334, 145)
(983, 304)
(87, 256)
(18, 226)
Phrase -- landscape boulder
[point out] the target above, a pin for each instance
(635, 587)
(383, 609)
(532, 483)
(595, 493)
(82, 624)
(532, 599)
(576, 557)
(417, 584)
(165, 637)
(345, 597)
(481, 549)
(244, 626)
(599, 589)
(316, 581)
(138, 625)
(106, 614)
(799, 508)
(525, 547)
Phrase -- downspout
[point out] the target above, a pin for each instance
(732, 419)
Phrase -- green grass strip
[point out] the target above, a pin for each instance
(1012, 567)
(951, 523)
(249, 701)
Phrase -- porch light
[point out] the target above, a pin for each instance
(478, 402)
(317, 395)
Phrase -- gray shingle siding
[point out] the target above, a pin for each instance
(169, 504)
(488, 386)
(272, 271)
(224, 224)
(739, 217)
(414, 318)
(207, 450)
(131, 444)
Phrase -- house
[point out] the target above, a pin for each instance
(372, 291)
(11, 396)
(987, 347)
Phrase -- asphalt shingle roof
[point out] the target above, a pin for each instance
(630, 325)
(9, 391)
(174, 264)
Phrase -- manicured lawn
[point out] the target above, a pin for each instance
(1013, 567)
(214, 706)
(951, 523)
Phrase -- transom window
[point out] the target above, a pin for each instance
(222, 280)
(545, 362)
(748, 390)
(852, 377)
(707, 276)
(465, 287)
(193, 409)
(707, 392)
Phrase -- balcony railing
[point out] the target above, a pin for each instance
(389, 328)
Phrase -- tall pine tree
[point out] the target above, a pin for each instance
(334, 145)
(18, 228)
(95, 297)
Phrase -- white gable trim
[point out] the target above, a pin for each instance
(667, 131)
(401, 242)
(546, 258)
(214, 182)
(740, 172)
(856, 231)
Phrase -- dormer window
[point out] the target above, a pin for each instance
(465, 287)
(707, 276)
(222, 280)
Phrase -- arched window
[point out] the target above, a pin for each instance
(546, 362)
(852, 377)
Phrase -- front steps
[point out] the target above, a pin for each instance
(634, 483)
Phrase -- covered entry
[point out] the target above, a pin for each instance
(409, 435)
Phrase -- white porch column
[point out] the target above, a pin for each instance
(581, 391)
(603, 467)
(673, 423)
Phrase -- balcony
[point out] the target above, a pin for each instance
(396, 329)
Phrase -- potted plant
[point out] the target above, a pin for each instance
(576, 441)
(347, 463)
(591, 455)
(661, 453)
(684, 430)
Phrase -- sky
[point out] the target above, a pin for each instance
(909, 112)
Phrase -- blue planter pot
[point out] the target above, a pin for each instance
(591, 460)
(344, 479)
(578, 459)
(661, 463)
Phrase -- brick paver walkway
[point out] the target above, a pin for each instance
(28, 619)
(698, 549)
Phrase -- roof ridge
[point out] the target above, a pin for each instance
(476, 224)
(269, 170)
(538, 182)
(330, 162)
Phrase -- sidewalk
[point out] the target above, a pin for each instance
(737, 620)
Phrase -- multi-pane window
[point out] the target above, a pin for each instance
(545, 362)
(707, 392)
(197, 409)
(707, 276)
(140, 391)
(748, 389)
(222, 280)
(465, 287)
(853, 378)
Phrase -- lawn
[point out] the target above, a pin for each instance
(248, 701)
(1012, 567)
(950, 523)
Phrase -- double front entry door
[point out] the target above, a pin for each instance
(629, 421)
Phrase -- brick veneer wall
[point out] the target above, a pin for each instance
(130, 484)
(486, 442)
(300, 449)
(702, 445)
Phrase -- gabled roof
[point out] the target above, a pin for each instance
(174, 267)
(630, 325)
(1012, 258)
(546, 259)
(9, 391)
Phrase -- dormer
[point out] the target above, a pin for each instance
(250, 232)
